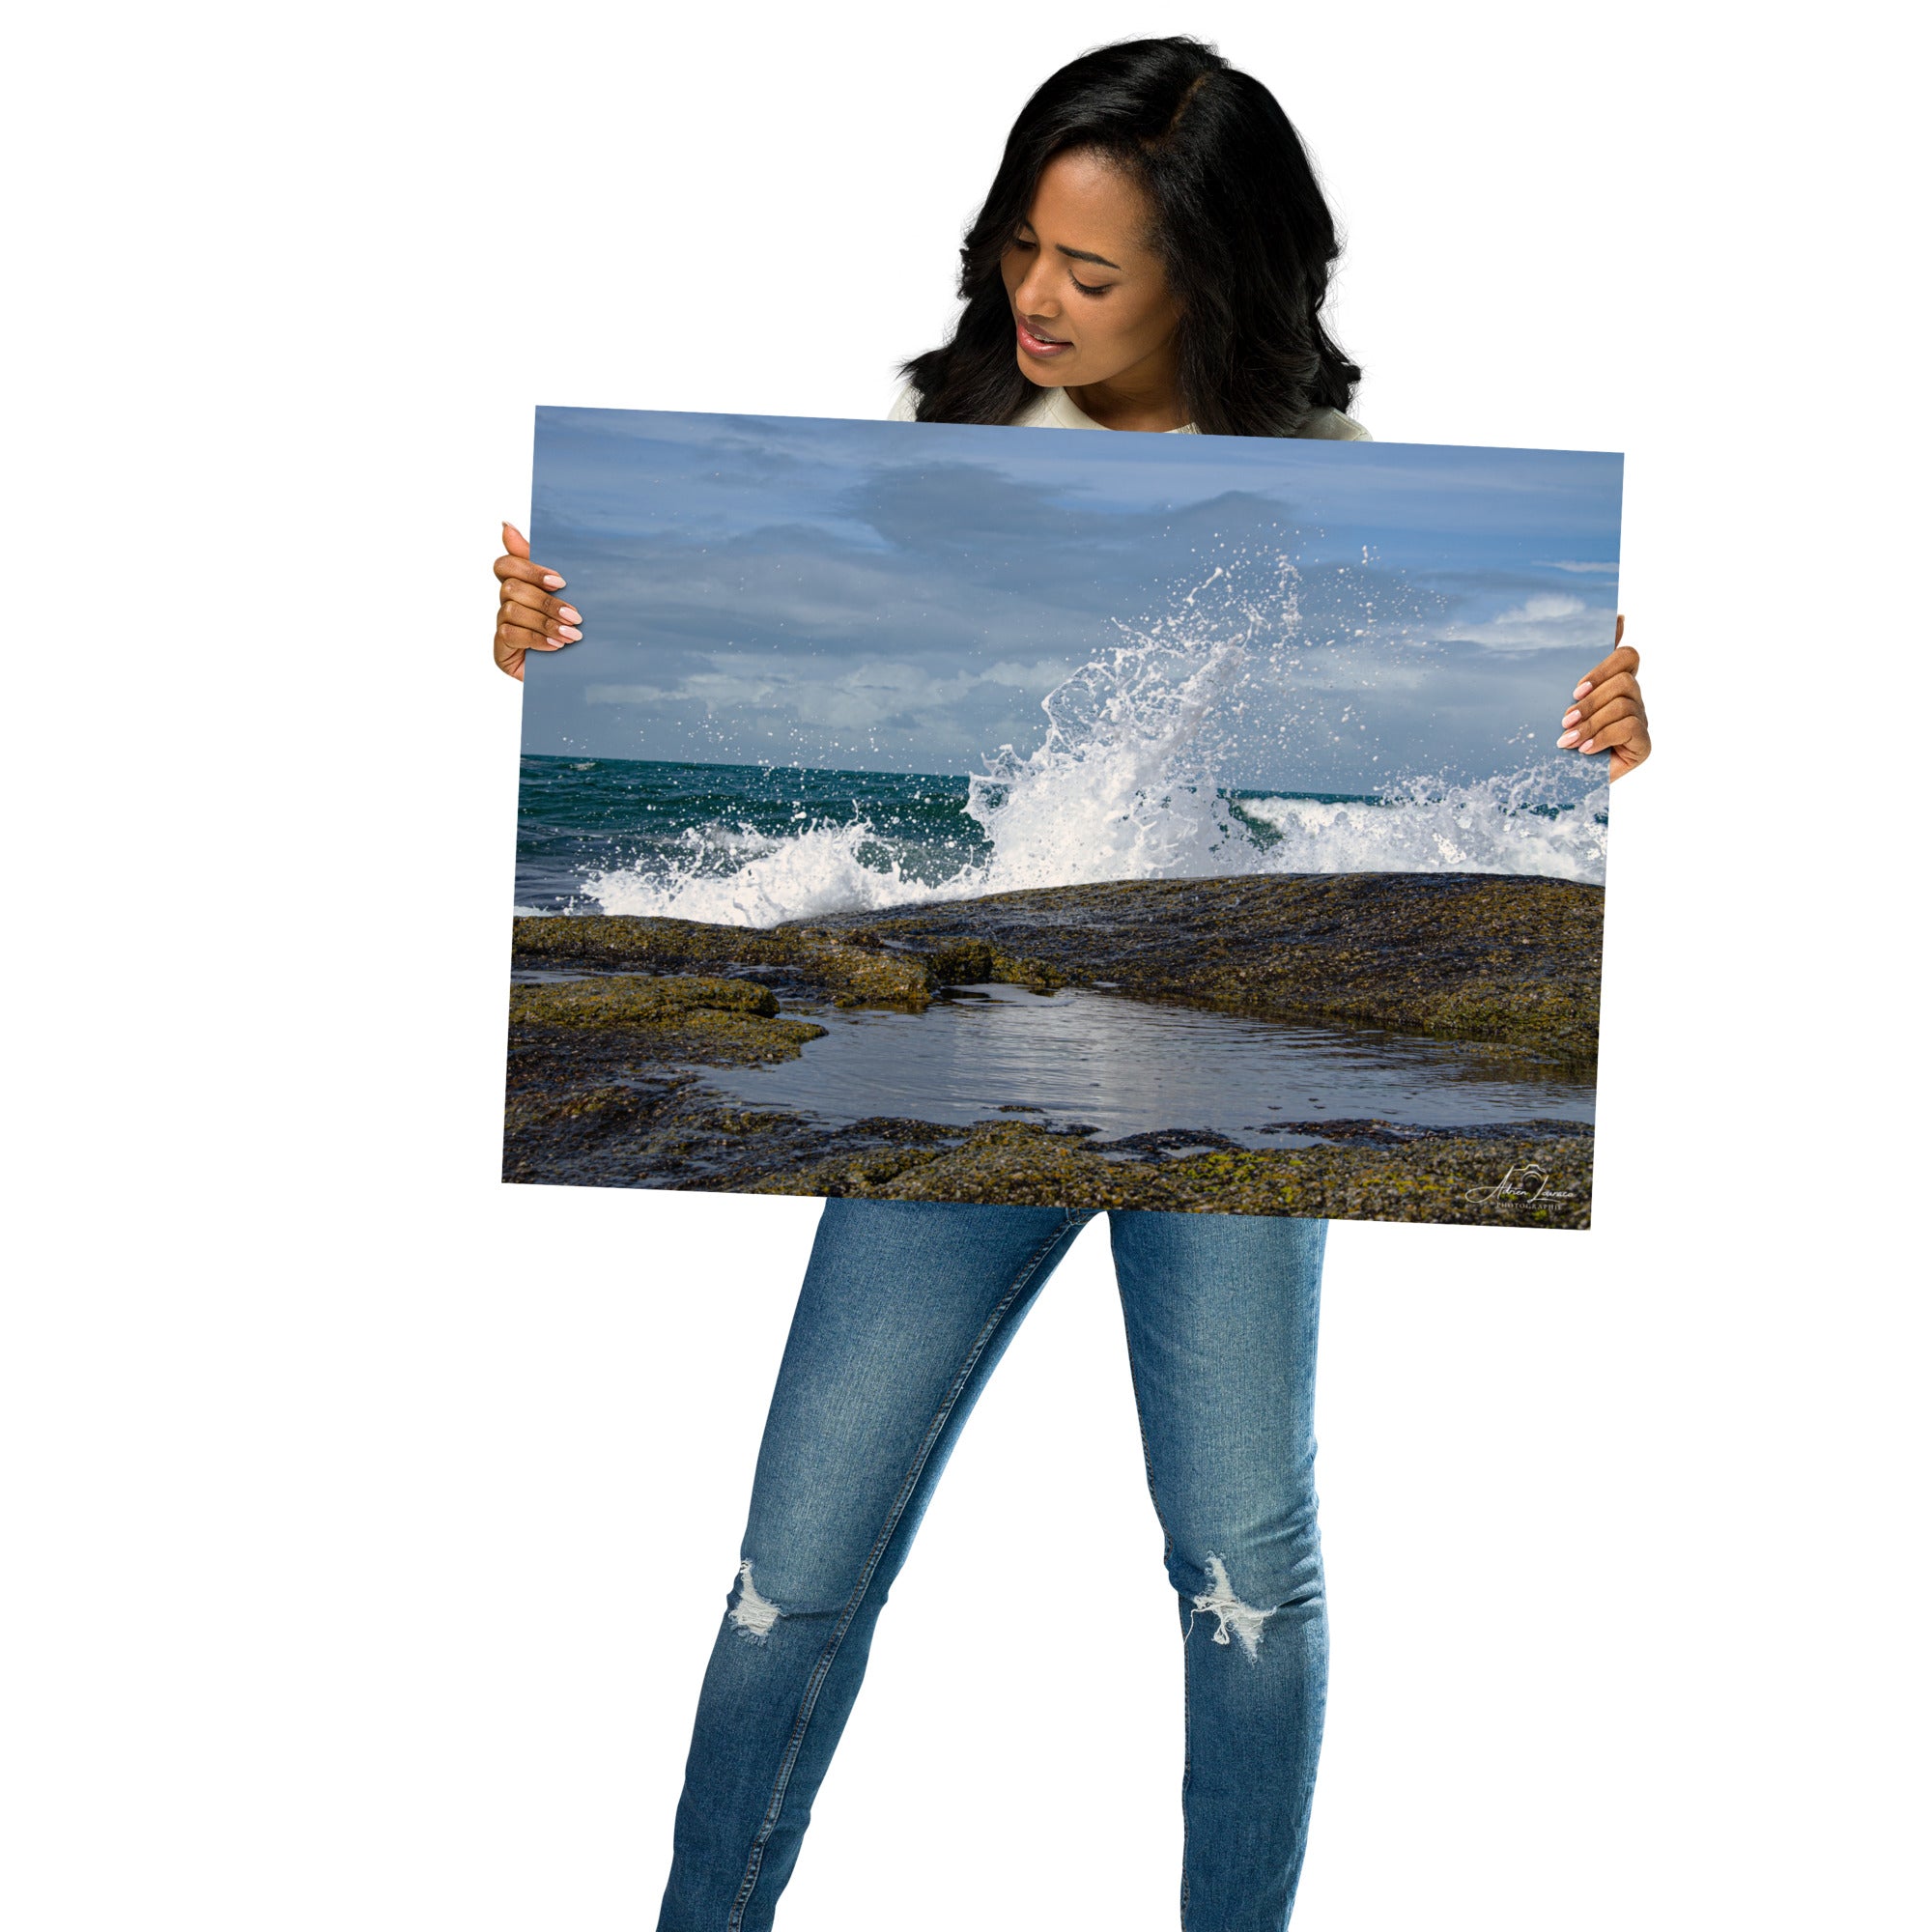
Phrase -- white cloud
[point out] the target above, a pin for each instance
(1041, 675)
(812, 691)
(1550, 621)
(623, 694)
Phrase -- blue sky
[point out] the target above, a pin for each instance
(901, 596)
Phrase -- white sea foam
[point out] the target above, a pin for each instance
(1508, 824)
(733, 876)
(1129, 785)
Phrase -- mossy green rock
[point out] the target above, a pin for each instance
(849, 975)
(1495, 1181)
(949, 961)
(1470, 955)
(603, 1090)
(629, 999)
(712, 1021)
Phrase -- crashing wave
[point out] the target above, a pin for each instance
(1129, 785)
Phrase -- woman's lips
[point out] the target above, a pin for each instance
(1043, 345)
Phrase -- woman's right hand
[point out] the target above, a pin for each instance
(529, 618)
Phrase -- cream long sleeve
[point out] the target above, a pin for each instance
(1055, 409)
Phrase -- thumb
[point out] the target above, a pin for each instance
(515, 542)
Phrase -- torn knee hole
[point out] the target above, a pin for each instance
(752, 1614)
(1236, 1622)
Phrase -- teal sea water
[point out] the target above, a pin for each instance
(625, 829)
(754, 845)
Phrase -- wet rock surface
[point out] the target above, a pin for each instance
(613, 1021)
(555, 1028)
(1456, 954)
(635, 999)
(636, 1129)
(1512, 1179)
(794, 963)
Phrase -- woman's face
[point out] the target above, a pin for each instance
(1091, 301)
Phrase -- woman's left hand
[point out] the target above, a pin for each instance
(1606, 712)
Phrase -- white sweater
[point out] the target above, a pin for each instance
(1055, 409)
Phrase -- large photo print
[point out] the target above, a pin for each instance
(941, 812)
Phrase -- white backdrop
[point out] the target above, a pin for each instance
(366, 1521)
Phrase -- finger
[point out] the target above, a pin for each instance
(1628, 731)
(515, 541)
(525, 572)
(512, 636)
(1623, 685)
(1616, 709)
(1622, 659)
(549, 615)
(1626, 758)
(1619, 637)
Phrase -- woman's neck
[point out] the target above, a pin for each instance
(1145, 396)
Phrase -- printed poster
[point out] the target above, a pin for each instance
(949, 813)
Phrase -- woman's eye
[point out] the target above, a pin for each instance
(1097, 289)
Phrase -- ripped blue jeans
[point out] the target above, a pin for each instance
(905, 1310)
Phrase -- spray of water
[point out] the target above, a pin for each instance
(1129, 783)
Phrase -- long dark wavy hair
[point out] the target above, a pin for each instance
(1242, 229)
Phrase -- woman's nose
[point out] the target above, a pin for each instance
(1035, 294)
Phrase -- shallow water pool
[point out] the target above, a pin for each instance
(1128, 1066)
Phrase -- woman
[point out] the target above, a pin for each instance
(1153, 255)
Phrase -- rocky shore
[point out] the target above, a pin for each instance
(1456, 954)
(614, 1019)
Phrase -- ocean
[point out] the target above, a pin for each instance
(755, 844)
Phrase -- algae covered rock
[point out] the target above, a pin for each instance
(672, 1017)
(849, 973)
(628, 998)
(605, 1084)
(947, 961)
(1464, 954)
(1495, 1180)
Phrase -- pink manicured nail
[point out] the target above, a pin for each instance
(1568, 738)
(1569, 717)
(1588, 745)
(569, 616)
(552, 581)
(565, 632)
(1580, 689)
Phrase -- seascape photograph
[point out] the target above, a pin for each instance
(941, 812)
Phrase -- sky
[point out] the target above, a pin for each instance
(901, 597)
